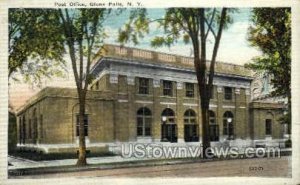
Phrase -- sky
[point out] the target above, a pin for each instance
(234, 48)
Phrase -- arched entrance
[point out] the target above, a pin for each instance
(168, 126)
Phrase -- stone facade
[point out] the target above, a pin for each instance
(145, 96)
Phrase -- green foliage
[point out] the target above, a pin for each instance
(35, 44)
(135, 28)
(271, 33)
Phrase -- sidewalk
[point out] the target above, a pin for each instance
(20, 163)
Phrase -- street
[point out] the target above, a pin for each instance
(261, 167)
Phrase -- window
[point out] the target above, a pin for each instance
(85, 123)
(169, 114)
(29, 129)
(189, 90)
(168, 126)
(41, 126)
(213, 127)
(190, 126)
(228, 93)
(20, 130)
(268, 127)
(35, 122)
(189, 117)
(211, 95)
(143, 86)
(24, 129)
(167, 88)
(144, 120)
(228, 124)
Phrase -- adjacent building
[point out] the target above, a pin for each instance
(147, 96)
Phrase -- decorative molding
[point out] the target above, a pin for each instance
(130, 80)
(144, 102)
(156, 83)
(167, 103)
(122, 101)
(237, 91)
(219, 89)
(190, 104)
(228, 106)
(213, 106)
(179, 85)
(113, 78)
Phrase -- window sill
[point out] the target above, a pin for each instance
(145, 95)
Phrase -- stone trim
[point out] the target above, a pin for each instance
(219, 89)
(122, 101)
(228, 106)
(156, 83)
(179, 85)
(144, 102)
(113, 78)
(168, 103)
(130, 80)
(190, 104)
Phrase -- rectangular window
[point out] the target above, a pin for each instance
(211, 95)
(29, 129)
(139, 130)
(167, 88)
(228, 93)
(225, 128)
(268, 127)
(85, 122)
(143, 86)
(189, 90)
(41, 126)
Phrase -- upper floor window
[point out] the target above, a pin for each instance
(189, 90)
(85, 123)
(167, 88)
(143, 86)
(268, 127)
(228, 93)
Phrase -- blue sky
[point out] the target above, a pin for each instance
(234, 47)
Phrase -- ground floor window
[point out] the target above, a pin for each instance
(168, 126)
(85, 122)
(190, 126)
(228, 128)
(213, 127)
(268, 127)
(144, 120)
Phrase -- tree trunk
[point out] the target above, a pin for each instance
(82, 146)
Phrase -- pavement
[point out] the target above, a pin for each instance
(256, 167)
(21, 163)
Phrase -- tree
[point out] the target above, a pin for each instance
(193, 25)
(82, 31)
(29, 52)
(271, 34)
